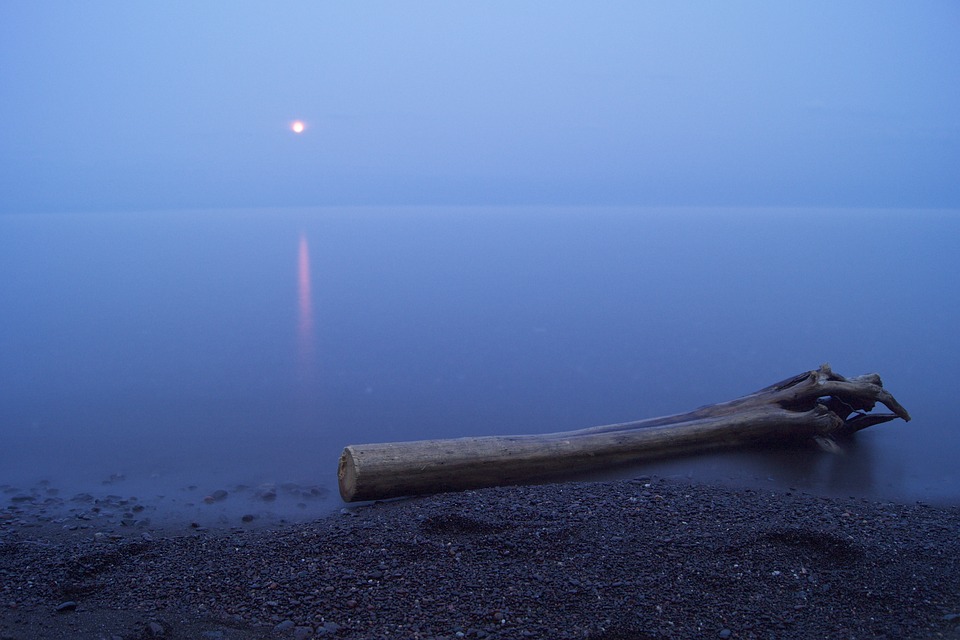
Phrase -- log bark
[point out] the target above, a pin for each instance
(819, 406)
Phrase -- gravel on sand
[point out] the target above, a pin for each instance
(645, 558)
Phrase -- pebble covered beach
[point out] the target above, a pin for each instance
(641, 558)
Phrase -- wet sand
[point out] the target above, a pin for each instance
(644, 558)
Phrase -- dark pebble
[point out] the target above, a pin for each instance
(155, 629)
(284, 626)
(267, 493)
(64, 607)
(328, 628)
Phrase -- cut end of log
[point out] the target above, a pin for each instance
(347, 475)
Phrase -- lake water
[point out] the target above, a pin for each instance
(176, 353)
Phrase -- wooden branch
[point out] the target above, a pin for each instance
(817, 405)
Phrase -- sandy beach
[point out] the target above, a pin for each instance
(643, 558)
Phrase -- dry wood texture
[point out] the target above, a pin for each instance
(817, 405)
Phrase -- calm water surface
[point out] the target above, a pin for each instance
(207, 349)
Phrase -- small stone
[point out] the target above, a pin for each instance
(284, 626)
(725, 633)
(217, 496)
(328, 629)
(248, 517)
(156, 629)
(64, 607)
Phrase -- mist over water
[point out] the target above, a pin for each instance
(210, 349)
(187, 331)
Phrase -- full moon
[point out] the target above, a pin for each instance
(297, 126)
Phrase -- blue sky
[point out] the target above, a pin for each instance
(127, 106)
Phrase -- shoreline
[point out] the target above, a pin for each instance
(117, 509)
(641, 558)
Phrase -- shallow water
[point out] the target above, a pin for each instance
(183, 352)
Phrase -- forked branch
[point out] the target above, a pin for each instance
(816, 405)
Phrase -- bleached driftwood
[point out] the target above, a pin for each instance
(817, 405)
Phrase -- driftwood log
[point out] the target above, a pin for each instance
(819, 406)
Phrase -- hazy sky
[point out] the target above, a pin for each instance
(120, 105)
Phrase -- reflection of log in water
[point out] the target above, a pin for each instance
(817, 405)
(305, 305)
